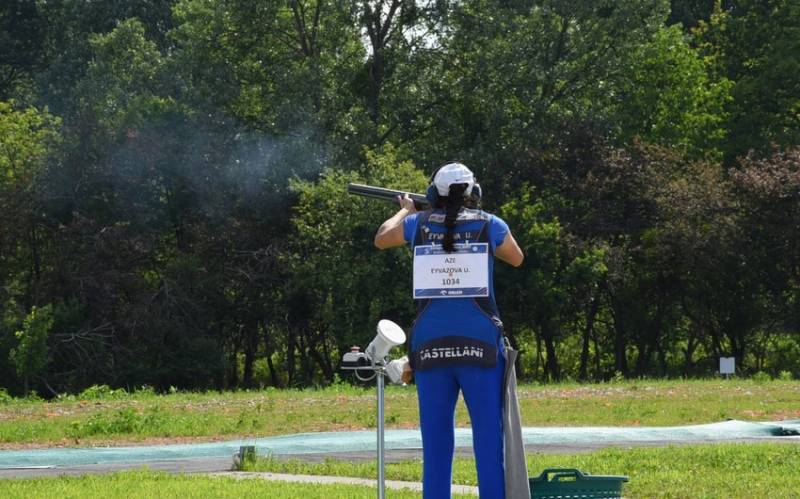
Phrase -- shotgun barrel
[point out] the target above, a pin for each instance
(386, 194)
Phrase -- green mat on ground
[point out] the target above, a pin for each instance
(354, 441)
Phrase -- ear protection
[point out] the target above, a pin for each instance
(475, 196)
(432, 194)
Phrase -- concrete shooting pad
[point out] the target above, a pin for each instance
(356, 445)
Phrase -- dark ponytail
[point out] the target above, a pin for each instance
(452, 204)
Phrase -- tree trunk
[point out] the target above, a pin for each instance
(688, 353)
(233, 372)
(538, 364)
(250, 350)
(588, 330)
(620, 359)
(596, 354)
(291, 346)
(376, 85)
(662, 360)
(583, 369)
(50, 388)
(305, 361)
(551, 366)
(37, 264)
(327, 369)
(249, 358)
(716, 345)
(655, 343)
(643, 357)
(272, 373)
(269, 351)
(736, 338)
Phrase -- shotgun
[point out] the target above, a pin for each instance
(420, 201)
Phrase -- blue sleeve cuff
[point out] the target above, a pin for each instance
(498, 229)
(409, 227)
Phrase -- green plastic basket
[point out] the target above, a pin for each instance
(569, 483)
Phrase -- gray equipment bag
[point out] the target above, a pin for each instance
(516, 470)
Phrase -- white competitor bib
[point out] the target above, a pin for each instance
(464, 273)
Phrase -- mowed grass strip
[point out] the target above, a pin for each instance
(710, 471)
(148, 417)
(659, 403)
(147, 485)
(142, 416)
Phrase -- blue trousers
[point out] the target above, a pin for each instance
(482, 388)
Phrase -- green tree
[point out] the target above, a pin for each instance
(688, 13)
(340, 284)
(698, 243)
(21, 37)
(125, 68)
(669, 98)
(530, 77)
(769, 193)
(69, 26)
(30, 354)
(559, 281)
(27, 138)
(755, 44)
(28, 135)
(274, 65)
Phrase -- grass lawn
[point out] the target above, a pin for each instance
(117, 418)
(721, 471)
(147, 485)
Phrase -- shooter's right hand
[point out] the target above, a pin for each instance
(408, 374)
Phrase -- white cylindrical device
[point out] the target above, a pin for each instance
(394, 370)
(389, 335)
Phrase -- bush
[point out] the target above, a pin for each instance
(29, 356)
(145, 390)
(5, 398)
(785, 376)
(33, 396)
(125, 420)
(761, 377)
(103, 392)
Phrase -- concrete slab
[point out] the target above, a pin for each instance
(390, 484)
(182, 466)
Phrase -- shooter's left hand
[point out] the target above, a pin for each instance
(407, 203)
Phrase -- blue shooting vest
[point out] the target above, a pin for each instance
(456, 331)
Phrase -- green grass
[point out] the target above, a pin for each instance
(699, 471)
(147, 485)
(115, 417)
(711, 471)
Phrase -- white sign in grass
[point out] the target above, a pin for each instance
(727, 365)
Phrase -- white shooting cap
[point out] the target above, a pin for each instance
(453, 173)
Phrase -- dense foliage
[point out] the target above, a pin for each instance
(172, 182)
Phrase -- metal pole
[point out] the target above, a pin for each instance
(381, 478)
